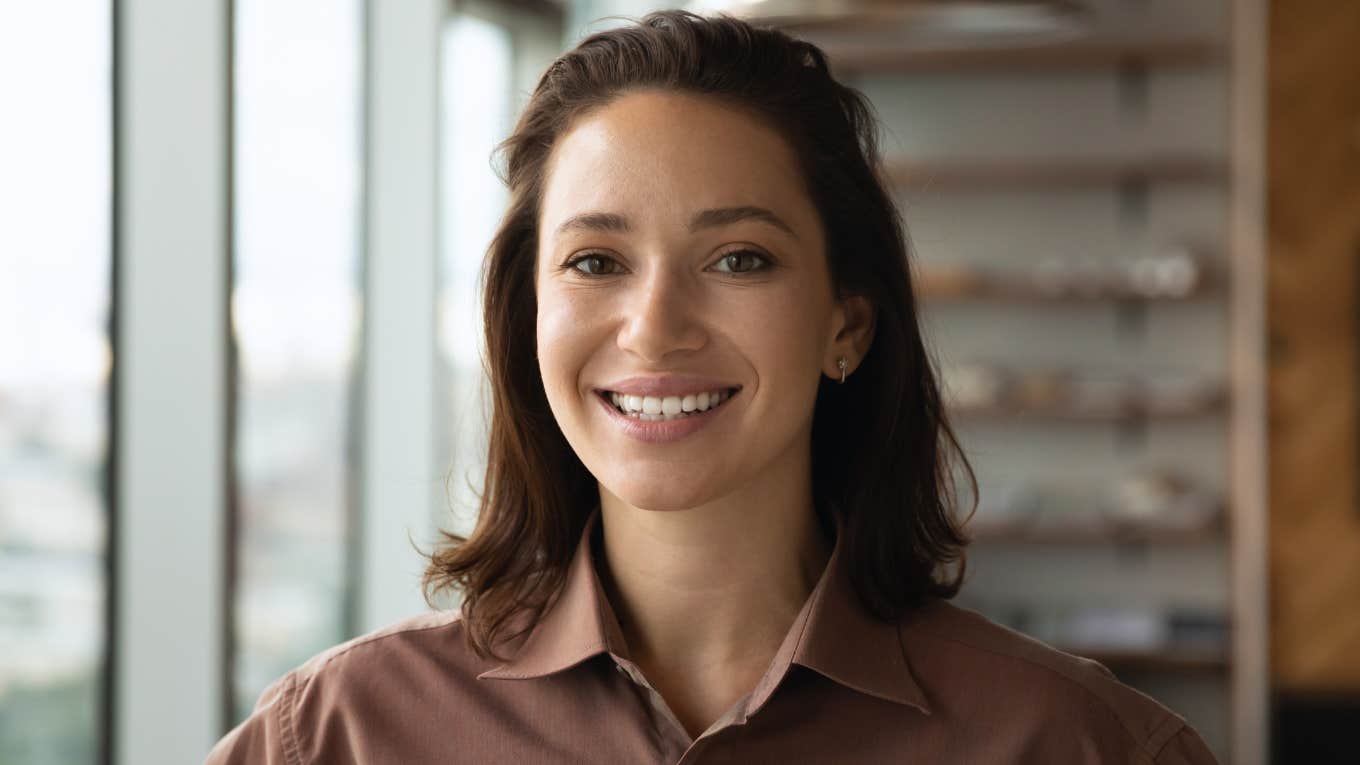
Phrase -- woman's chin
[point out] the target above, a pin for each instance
(662, 498)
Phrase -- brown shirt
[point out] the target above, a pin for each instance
(945, 685)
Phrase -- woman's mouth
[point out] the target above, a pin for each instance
(666, 408)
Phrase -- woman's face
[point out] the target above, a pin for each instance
(678, 256)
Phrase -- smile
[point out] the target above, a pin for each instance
(665, 418)
(666, 408)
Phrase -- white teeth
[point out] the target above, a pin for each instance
(667, 407)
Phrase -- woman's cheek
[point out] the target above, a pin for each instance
(796, 344)
(563, 337)
(787, 326)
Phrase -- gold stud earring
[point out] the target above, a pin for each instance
(841, 362)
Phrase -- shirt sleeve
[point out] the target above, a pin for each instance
(1185, 748)
(268, 735)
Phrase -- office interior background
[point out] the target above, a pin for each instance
(240, 379)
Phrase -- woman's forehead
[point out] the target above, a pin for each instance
(668, 156)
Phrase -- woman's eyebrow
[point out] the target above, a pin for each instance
(721, 216)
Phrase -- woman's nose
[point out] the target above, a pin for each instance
(662, 317)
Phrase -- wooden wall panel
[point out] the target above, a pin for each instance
(1313, 191)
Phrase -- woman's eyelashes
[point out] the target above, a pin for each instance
(736, 262)
(593, 263)
(735, 257)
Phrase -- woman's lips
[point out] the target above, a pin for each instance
(668, 385)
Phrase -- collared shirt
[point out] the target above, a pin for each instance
(944, 685)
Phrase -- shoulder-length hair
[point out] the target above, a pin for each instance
(883, 452)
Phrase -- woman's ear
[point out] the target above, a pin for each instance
(854, 333)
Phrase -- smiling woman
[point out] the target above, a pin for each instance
(719, 520)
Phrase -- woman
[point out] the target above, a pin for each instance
(718, 511)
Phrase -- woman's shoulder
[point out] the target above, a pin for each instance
(386, 674)
(388, 664)
(415, 639)
(949, 630)
(971, 662)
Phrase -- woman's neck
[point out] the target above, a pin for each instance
(704, 596)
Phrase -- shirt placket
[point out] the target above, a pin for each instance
(677, 746)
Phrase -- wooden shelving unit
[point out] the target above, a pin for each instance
(871, 47)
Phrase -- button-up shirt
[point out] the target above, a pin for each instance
(942, 685)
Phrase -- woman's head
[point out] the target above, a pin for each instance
(697, 196)
(677, 242)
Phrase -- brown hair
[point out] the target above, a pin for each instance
(882, 448)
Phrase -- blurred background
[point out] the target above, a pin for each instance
(239, 340)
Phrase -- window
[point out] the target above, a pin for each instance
(296, 311)
(55, 358)
(476, 80)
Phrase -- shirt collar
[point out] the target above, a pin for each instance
(833, 634)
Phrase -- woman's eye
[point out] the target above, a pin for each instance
(741, 261)
(594, 264)
(738, 262)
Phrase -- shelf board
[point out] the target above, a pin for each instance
(1094, 534)
(939, 291)
(1066, 55)
(1173, 659)
(917, 176)
(874, 16)
(1133, 410)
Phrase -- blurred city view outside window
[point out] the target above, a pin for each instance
(296, 313)
(476, 112)
(55, 360)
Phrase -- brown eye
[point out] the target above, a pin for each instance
(594, 265)
(743, 262)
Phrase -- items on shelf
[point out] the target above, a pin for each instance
(1110, 628)
(980, 388)
(1174, 273)
(1153, 501)
(1171, 638)
(1159, 500)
